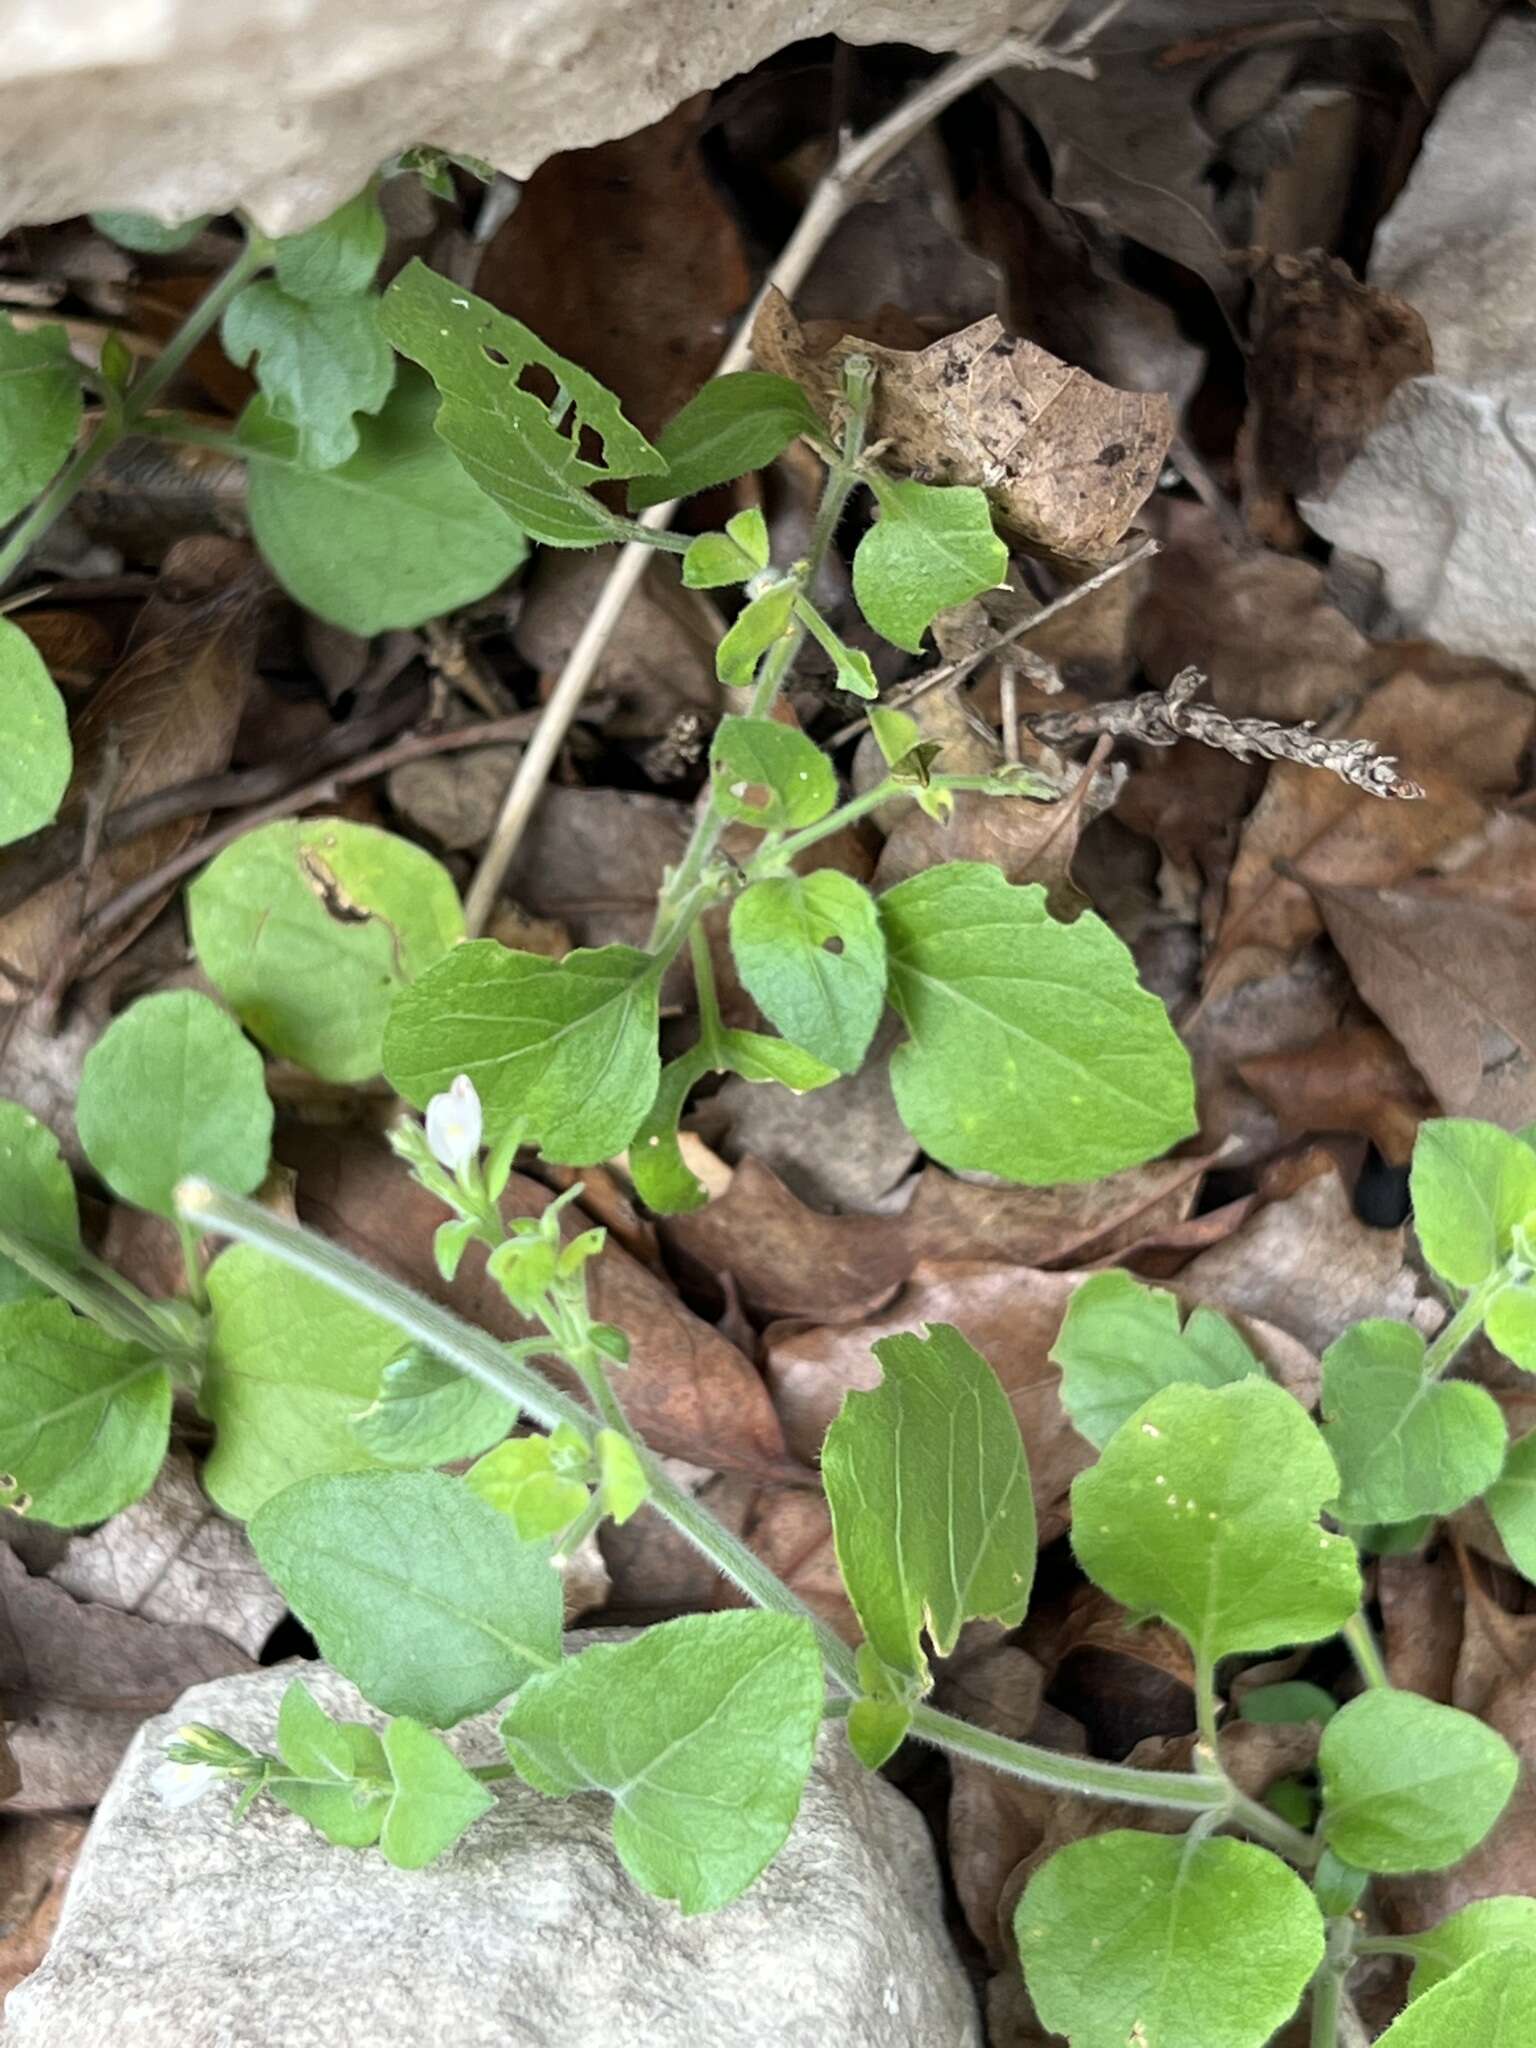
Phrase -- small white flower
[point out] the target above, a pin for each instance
(454, 1125)
(179, 1784)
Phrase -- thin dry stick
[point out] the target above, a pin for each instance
(1161, 718)
(953, 673)
(857, 162)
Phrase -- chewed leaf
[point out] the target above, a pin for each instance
(702, 1730)
(1204, 1509)
(310, 929)
(1166, 1943)
(531, 450)
(928, 1485)
(797, 781)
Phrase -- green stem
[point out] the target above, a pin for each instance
(1464, 1324)
(479, 1356)
(711, 1023)
(117, 426)
(857, 807)
(1366, 1651)
(1328, 1984)
(196, 1288)
(118, 1308)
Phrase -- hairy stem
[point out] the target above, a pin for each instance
(1366, 1651)
(472, 1352)
(118, 425)
(1328, 1984)
(1465, 1323)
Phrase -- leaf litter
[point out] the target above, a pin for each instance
(1129, 307)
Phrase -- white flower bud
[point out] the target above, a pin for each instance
(454, 1125)
(179, 1784)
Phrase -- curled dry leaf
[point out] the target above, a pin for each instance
(1066, 461)
(1354, 1079)
(687, 1391)
(791, 1260)
(168, 713)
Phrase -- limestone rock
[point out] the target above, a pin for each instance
(180, 1927)
(286, 107)
(1443, 496)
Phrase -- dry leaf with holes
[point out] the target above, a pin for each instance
(1066, 461)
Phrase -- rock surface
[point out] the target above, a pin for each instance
(1443, 497)
(181, 1928)
(286, 107)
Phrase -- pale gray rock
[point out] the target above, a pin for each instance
(286, 107)
(1443, 496)
(180, 1928)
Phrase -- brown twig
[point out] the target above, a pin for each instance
(953, 673)
(1162, 718)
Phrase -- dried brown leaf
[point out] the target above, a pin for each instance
(1065, 460)
(1355, 1079)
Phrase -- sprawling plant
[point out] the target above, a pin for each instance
(382, 492)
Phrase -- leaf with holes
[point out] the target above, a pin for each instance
(1204, 1509)
(565, 1048)
(1121, 1342)
(393, 536)
(1031, 1050)
(36, 760)
(513, 441)
(811, 954)
(310, 929)
(737, 423)
(928, 1485)
(37, 1197)
(171, 1090)
(931, 548)
(39, 412)
(84, 1416)
(1166, 1942)
(701, 1730)
(414, 1588)
(1405, 1445)
(317, 362)
(1408, 1784)
(1472, 1185)
(798, 782)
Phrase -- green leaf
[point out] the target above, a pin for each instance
(520, 1479)
(37, 1197)
(317, 362)
(342, 1780)
(427, 1413)
(414, 1588)
(1203, 1508)
(1489, 2002)
(435, 1798)
(1405, 1445)
(84, 1416)
(568, 1047)
(622, 1484)
(1510, 1324)
(291, 1366)
(310, 929)
(1294, 1700)
(1031, 1052)
(39, 414)
(1166, 1942)
(748, 754)
(36, 758)
(395, 535)
(1508, 1922)
(1120, 1343)
(147, 236)
(173, 1089)
(1511, 1501)
(736, 423)
(1409, 1784)
(928, 1485)
(752, 632)
(663, 1179)
(931, 549)
(757, 1058)
(702, 1730)
(714, 561)
(896, 733)
(505, 436)
(811, 954)
(877, 1729)
(1471, 1185)
(337, 258)
(855, 672)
